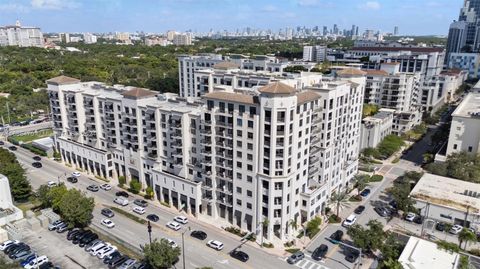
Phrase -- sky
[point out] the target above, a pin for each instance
(413, 17)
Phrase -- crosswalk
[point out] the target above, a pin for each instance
(308, 263)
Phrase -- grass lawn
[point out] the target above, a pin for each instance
(33, 136)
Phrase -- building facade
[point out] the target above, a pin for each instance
(21, 36)
(376, 128)
(236, 158)
(315, 53)
(469, 62)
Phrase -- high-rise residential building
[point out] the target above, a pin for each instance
(325, 31)
(232, 157)
(89, 38)
(315, 53)
(395, 31)
(21, 36)
(122, 36)
(457, 38)
(170, 35)
(64, 37)
(188, 65)
(184, 39)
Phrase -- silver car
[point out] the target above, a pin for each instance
(127, 264)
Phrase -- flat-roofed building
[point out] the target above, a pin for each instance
(376, 128)
(423, 254)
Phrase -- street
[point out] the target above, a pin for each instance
(197, 254)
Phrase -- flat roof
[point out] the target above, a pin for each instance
(396, 49)
(448, 192)
(469, 107)
(422, 254)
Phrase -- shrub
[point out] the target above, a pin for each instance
(57, 155)
(313, 227)
(34, 149)
(122, 180)
(165, 204)
(289, 244)
(396, 160)
(334, 219)
(267, 245)
(355, 198)
(128, 215)
(149, 193)
(376, 178)
(475, 252)
(448, 246)
(135, 186)
(292, 250)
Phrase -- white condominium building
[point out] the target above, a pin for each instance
(465, 127)
(184, 39)
(314, 53)
(21, 36)
(376, 128)
(229, 157)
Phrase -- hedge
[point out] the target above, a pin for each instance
(34, 149)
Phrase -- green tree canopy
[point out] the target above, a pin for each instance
(11, 168)
(460, 165)
(159, 254)
(76, 209)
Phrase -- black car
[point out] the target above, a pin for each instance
(11, 248)
(12, 148)
(87, 240)
(19, 249)
(122, 193)
(153, 217)
(418, 219)
(352, 256)
(118, 262)
(382, 211)
(337, 236)
(107, 212)
(365, 192)
(2, 143)
(199, 235)
(111, 257)
(37, 165)
(440, 226)
(37, 158)
(393, 204)
(359, 210)
(72, 179)
(320, 252)
(93, 188)
(72, 235)
(239, 255)
(71, 231)
(46, 265)
(76, 240)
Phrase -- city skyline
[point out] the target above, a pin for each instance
(424, 18)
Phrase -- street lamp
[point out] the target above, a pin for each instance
(183, 246)
(149, 229)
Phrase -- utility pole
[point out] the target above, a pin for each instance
(183, 246)
(149, 229)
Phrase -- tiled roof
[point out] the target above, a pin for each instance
(376, 72)
(307, 96)
(277, 88)
(137, 93)
(351, 72)
(226, 65)
(232, 97)
(62, 80)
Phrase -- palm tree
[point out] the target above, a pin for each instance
(265, 223)
(340, 199)
(466, 236)
(361, 183)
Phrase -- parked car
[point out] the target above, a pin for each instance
(20, 255)
(217, 245)
(295, 257)
(393, 204)
(418, 219)
(72, 179)
(51, 184)
(239, 255)
(107, 212)
(349, 221)
(139, 210)
(18, 249)
(456, 229)
(12, 247)
(382, 211)
(352, 256)
(365, 192)
(47, 265)
(140, 202)
(62, 228)
(12, 148)
(93, 244)
(112, 256)
(337, 235)
(153, 217)
(93, 188)
(106, 251)
(181, 219)
(106, 187)
(440, 226)
(410, 216)
(54, 225)
(37, 158)
(121, 201)
(122, 193)
(320, 252)
(199, 234)
(118, 262)
(359, 210)
(8, 243)
(108, 223)
(77, 239)
(174, 225)
(76, 174)
(37, 165)
(95, 249)
(127, 264)
(36, 262)
(28, 259)
(71, 234)
(86, 240)
(1, 142)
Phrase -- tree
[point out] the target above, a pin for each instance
(340, 199)
(392, 264)
(313, 227)
(76, 209)
(466, 236)
(159, 254)
(459, 165)
(51, 196)
(369, 239)
(11, 168)
(361, 182)
(369, 110)
(401, 194)
(391, 248)
(135, 186)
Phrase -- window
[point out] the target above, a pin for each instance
(249, 179)
(239, 154)
(239, 122)
(470, 149)
(239, 190)
(249, 205)
(454, 146)
(239, 202)
(250, 124)
(278, 185)
(241, 108)
(249, 193)
(239, 133)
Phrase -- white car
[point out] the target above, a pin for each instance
(410, 216)
(98, 248)
(349, 221)
(217, 245)
(51, 184)
(108, 223)
(181, 219)
(174, 225)
(35, 263)
(456, 229)
(139, 210)
(76, 174)
(106, 251)
(106, 187)
(8, 243)
(171, 243)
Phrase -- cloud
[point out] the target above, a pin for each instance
(370, 5)
(54, 4)
(12, 7)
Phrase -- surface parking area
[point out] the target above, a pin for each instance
(60, 251)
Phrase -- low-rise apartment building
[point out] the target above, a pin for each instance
(275, 152)
(376, 128)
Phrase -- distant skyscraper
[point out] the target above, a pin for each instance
(335, 29)
(325, 30)
(466, 32)
(395, 31)
(457, 37)
(356, 31)
(353, 30)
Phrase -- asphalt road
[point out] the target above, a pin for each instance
(196, 252)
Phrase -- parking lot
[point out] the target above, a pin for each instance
(60, 251)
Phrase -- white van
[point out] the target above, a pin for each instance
(97, 248)
(350, 220)
(121, 201)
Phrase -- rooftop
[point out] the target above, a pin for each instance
(372, 72)
(469, 107)
(422, 254)
(448, 192)
(62, 80)
(396, 49)
(138, 93)
(226, 65)
(351, 72)
(232, 97)
(277, 88)
(307, 96)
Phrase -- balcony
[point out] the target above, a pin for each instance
(152, 156)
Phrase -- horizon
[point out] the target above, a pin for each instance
(427, 18)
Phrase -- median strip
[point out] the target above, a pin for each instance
(128, 215)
